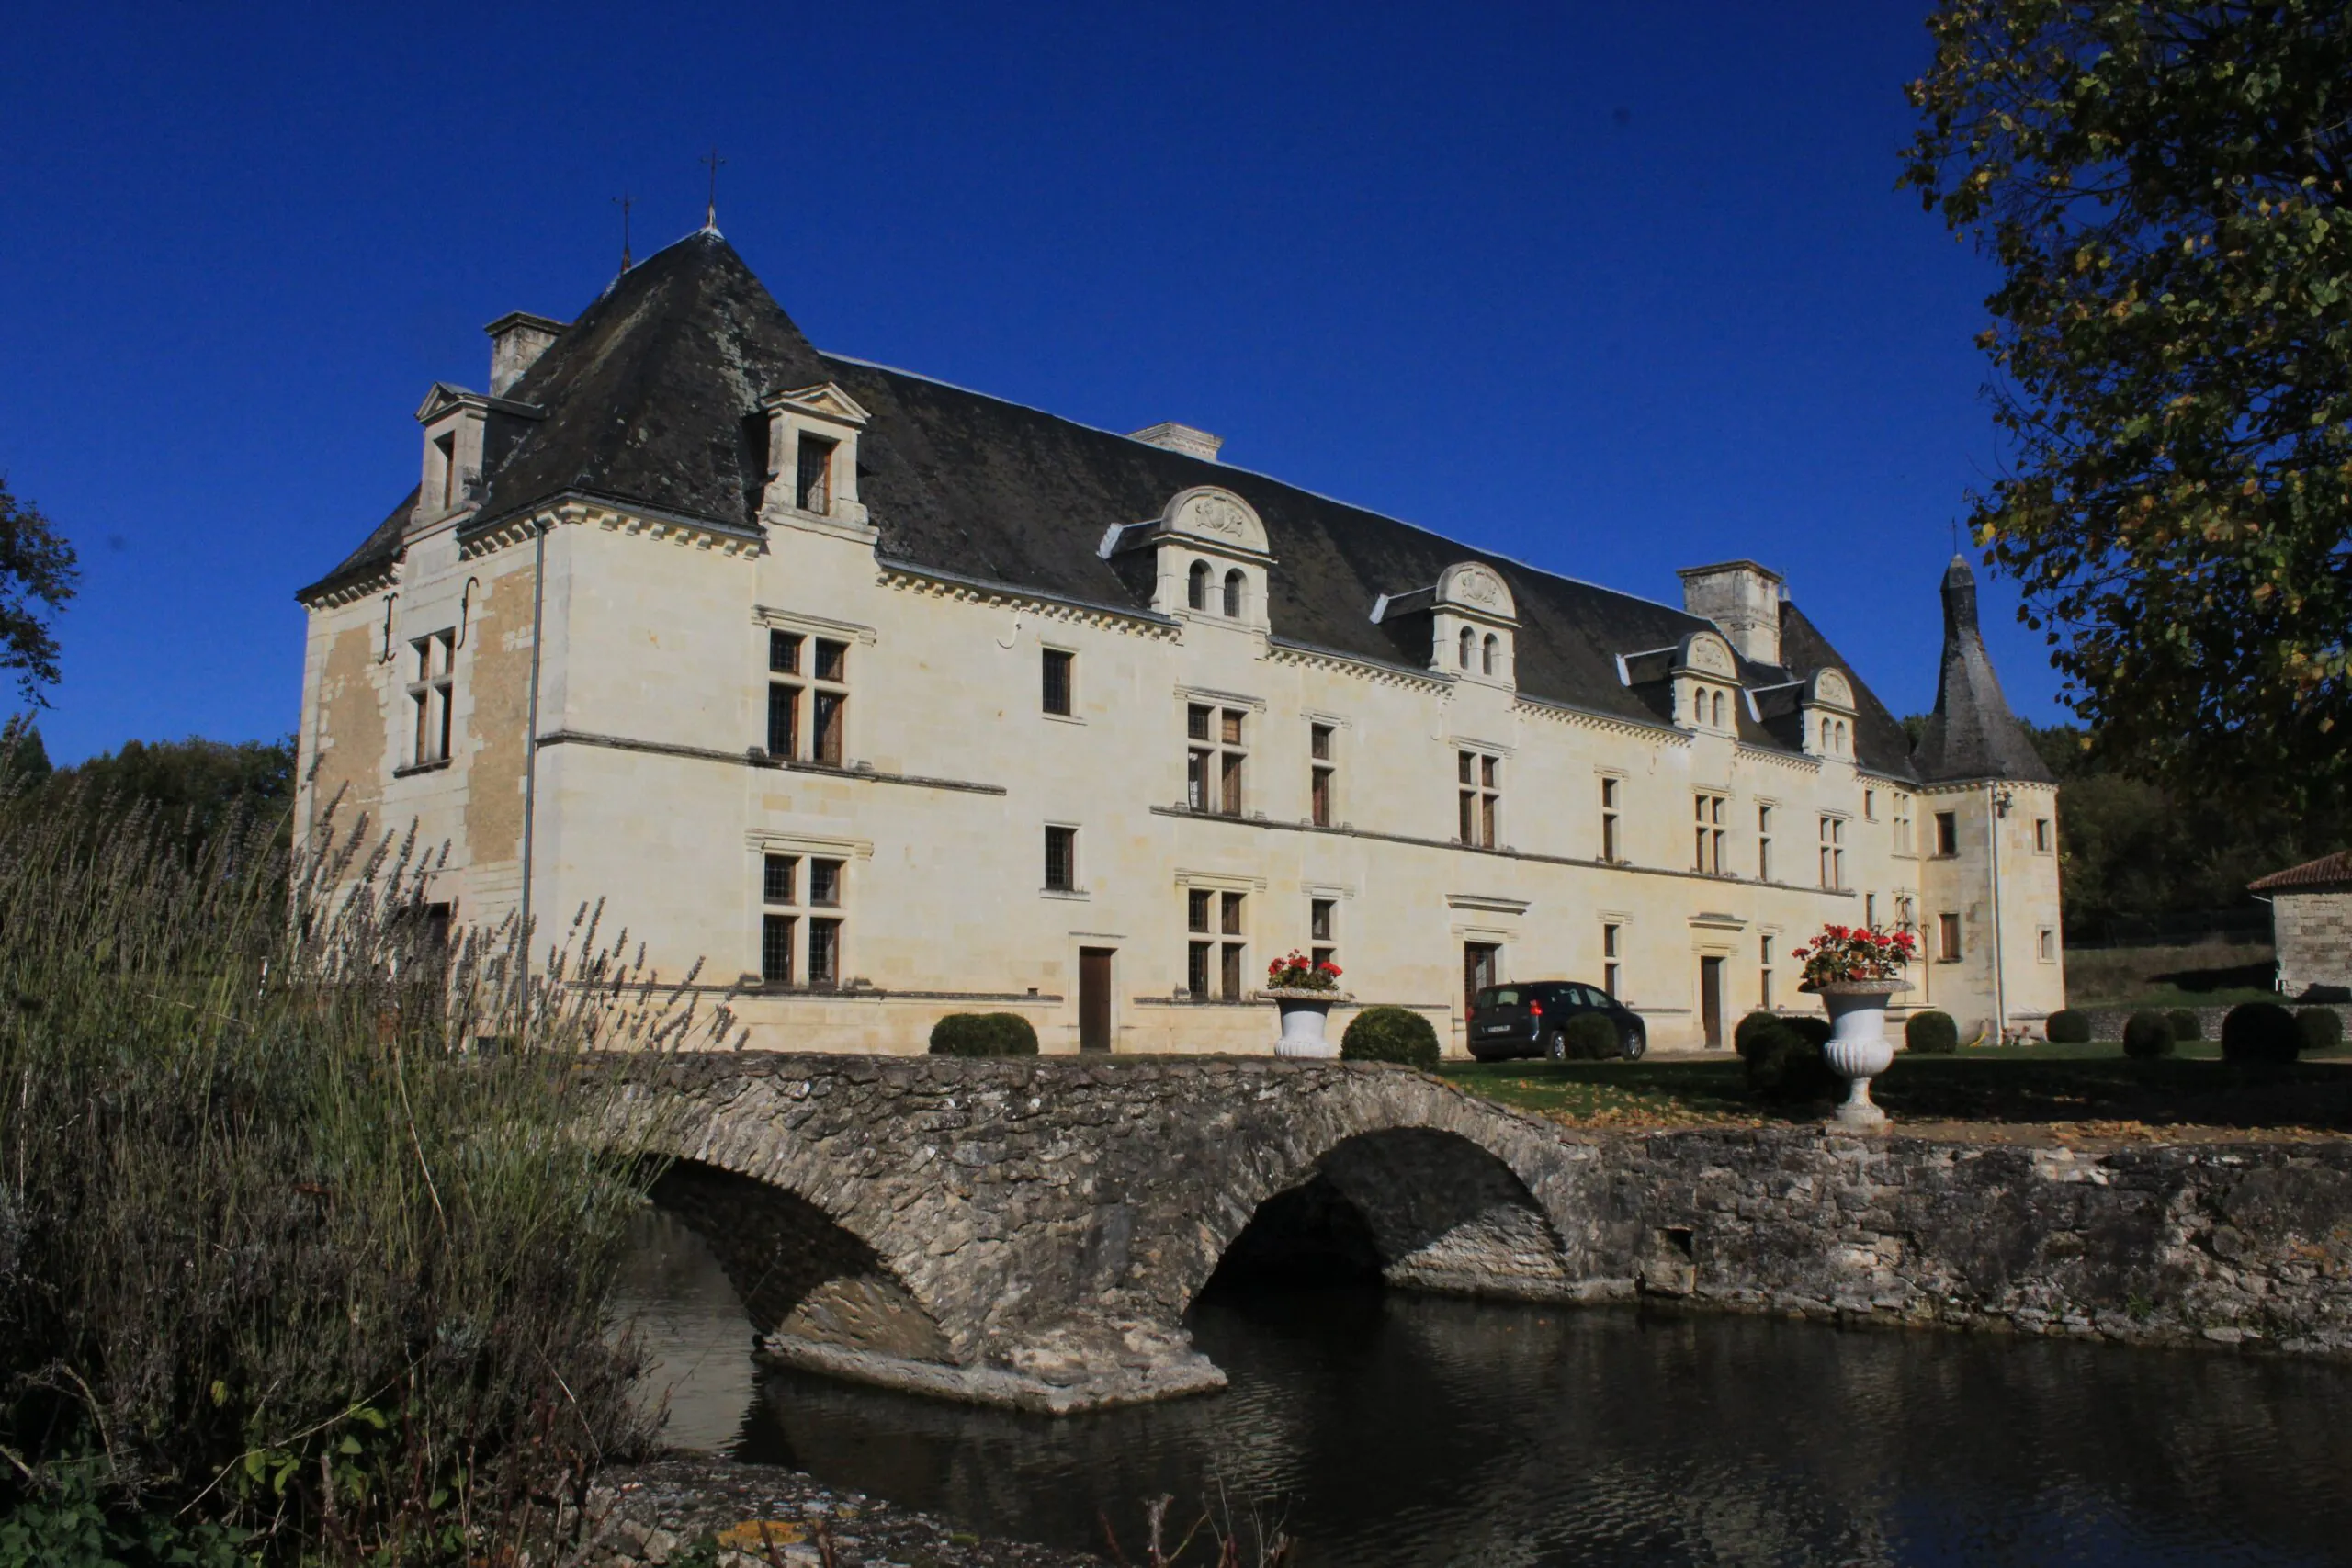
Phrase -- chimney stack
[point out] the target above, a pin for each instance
(517, 340)
(1181, 438)
(1743, 600)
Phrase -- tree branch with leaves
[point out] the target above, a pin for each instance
(2162, 183)
(38, 574)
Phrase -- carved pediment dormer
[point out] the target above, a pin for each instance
(1826, 706)
(1697, 680)
(1208, 557)
(465, 434)
(1473, 622)
(812, 458)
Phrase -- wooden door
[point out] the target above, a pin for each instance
(1095, 998)
(1478, 972)
(1710, 998)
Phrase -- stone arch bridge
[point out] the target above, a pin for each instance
(1031, 1232)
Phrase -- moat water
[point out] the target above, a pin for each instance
(1403, 1431)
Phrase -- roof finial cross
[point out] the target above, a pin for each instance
(710, 212)
(625, 201)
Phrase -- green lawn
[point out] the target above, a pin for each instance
(2031, 1085)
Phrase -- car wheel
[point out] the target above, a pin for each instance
(1632, 1043)
(1555, 1045)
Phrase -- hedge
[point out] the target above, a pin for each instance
(2067, 1027)
(2147, 1036)
(1749, 1027)
(1785, 1063)
(2260, 1032)
(1932, 1033)
(1592, 1037)
(983, 1034)
(2323, 1028)
(1390, 1034)
(2188, 1023)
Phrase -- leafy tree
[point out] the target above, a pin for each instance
(196, 786)
(36, 570)
(2162, 183)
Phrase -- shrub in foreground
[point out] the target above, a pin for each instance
(2069, 1027)
(1390, 1034)
(2260, 1033)
(1591, 1037)
(289, 1256)
(1785, 1065)
(2147, 1036)
(2322, 1028)
(983, 1034)
(1932, 1033)
(1748, 1028)
(2188, 1023)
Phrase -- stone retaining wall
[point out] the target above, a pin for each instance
(2107, 1024)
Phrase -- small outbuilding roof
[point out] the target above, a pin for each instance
(2323, 871)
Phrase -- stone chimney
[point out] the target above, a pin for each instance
(1743, 600)
(1181, 438)
(517, 340)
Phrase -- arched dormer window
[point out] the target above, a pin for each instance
(1197, 594)
(1469, 642)
(1841, 737)
(1717, 704)
(1827, 730)
(1233, 581)
(1486, 654)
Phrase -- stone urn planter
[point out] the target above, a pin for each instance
(1304, 1015)
(1858, 1049)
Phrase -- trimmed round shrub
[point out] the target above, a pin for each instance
(2260, 1032)
(1592, 1037)
(983, 1034)
(1932, 1033)
(1785, 1065)
(2147, 1036)
(2188, 1023)
(2323, 1028)
(1390, 1034)
(2067, 1027)
(1754, 1024)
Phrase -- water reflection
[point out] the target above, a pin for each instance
(1404, 1430)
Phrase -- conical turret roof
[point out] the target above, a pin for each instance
(1971, 734)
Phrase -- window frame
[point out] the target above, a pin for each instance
(1708, 834)
(1061, 856)
(433, 696)
(1478, 794)
(1062, 663)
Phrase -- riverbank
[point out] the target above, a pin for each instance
(696, 1510)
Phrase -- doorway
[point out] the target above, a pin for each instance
(1710, 1001)
(1479, 961)
(1094, 998)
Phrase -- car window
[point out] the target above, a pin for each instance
(1497, 997)
(1591, 997)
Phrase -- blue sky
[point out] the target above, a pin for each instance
(1611, 288)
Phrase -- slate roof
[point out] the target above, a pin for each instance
(651, 397)
(2325, 872)
(1971, 734)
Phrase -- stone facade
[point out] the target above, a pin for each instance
(1031, 1233)
(575, 692)
(2313, 932)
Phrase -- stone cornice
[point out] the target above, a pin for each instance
(1570, 712)
(1305, 654)
(908, 577)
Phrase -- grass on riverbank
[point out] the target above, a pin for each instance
(301, 1257)
(2040, 1086)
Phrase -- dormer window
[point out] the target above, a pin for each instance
(813, 487)
(812, 457)
(1715, 702)
(1469, 640)
(1207, 555)
(1487, 654)
(1196, 596)
(1828, 704)
(1233, 592)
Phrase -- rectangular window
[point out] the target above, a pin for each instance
(1764, 983)
(1229, 913)
(1058, 663)
(783, 653)
(1230, 977)
(1318, 919)
(432, 692)
(1610, 939)
(825, 884)
(2046, 945)
(1319, 772)
(784, 696)
(2045, 839)
(1213, 768)
(828, 708)
(1196, 909)
(830, 711)
(813, 487)
(1833, 853)
(779, 877)
(1869, 909)
(1608, 845)
(832, 660)
(1947, 833)
(1870, 806)
(1480, 778)
(1948, 939)
(1763, 844)
(1904, 843)
(776, 948)
(1229, 918)
(824, 953)
(1061, 859)
(1196, 970)
(1707, 842)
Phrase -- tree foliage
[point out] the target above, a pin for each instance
(2162, 183)
(38, 575)
(195, 787)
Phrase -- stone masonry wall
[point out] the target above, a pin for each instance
(2314, 932)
